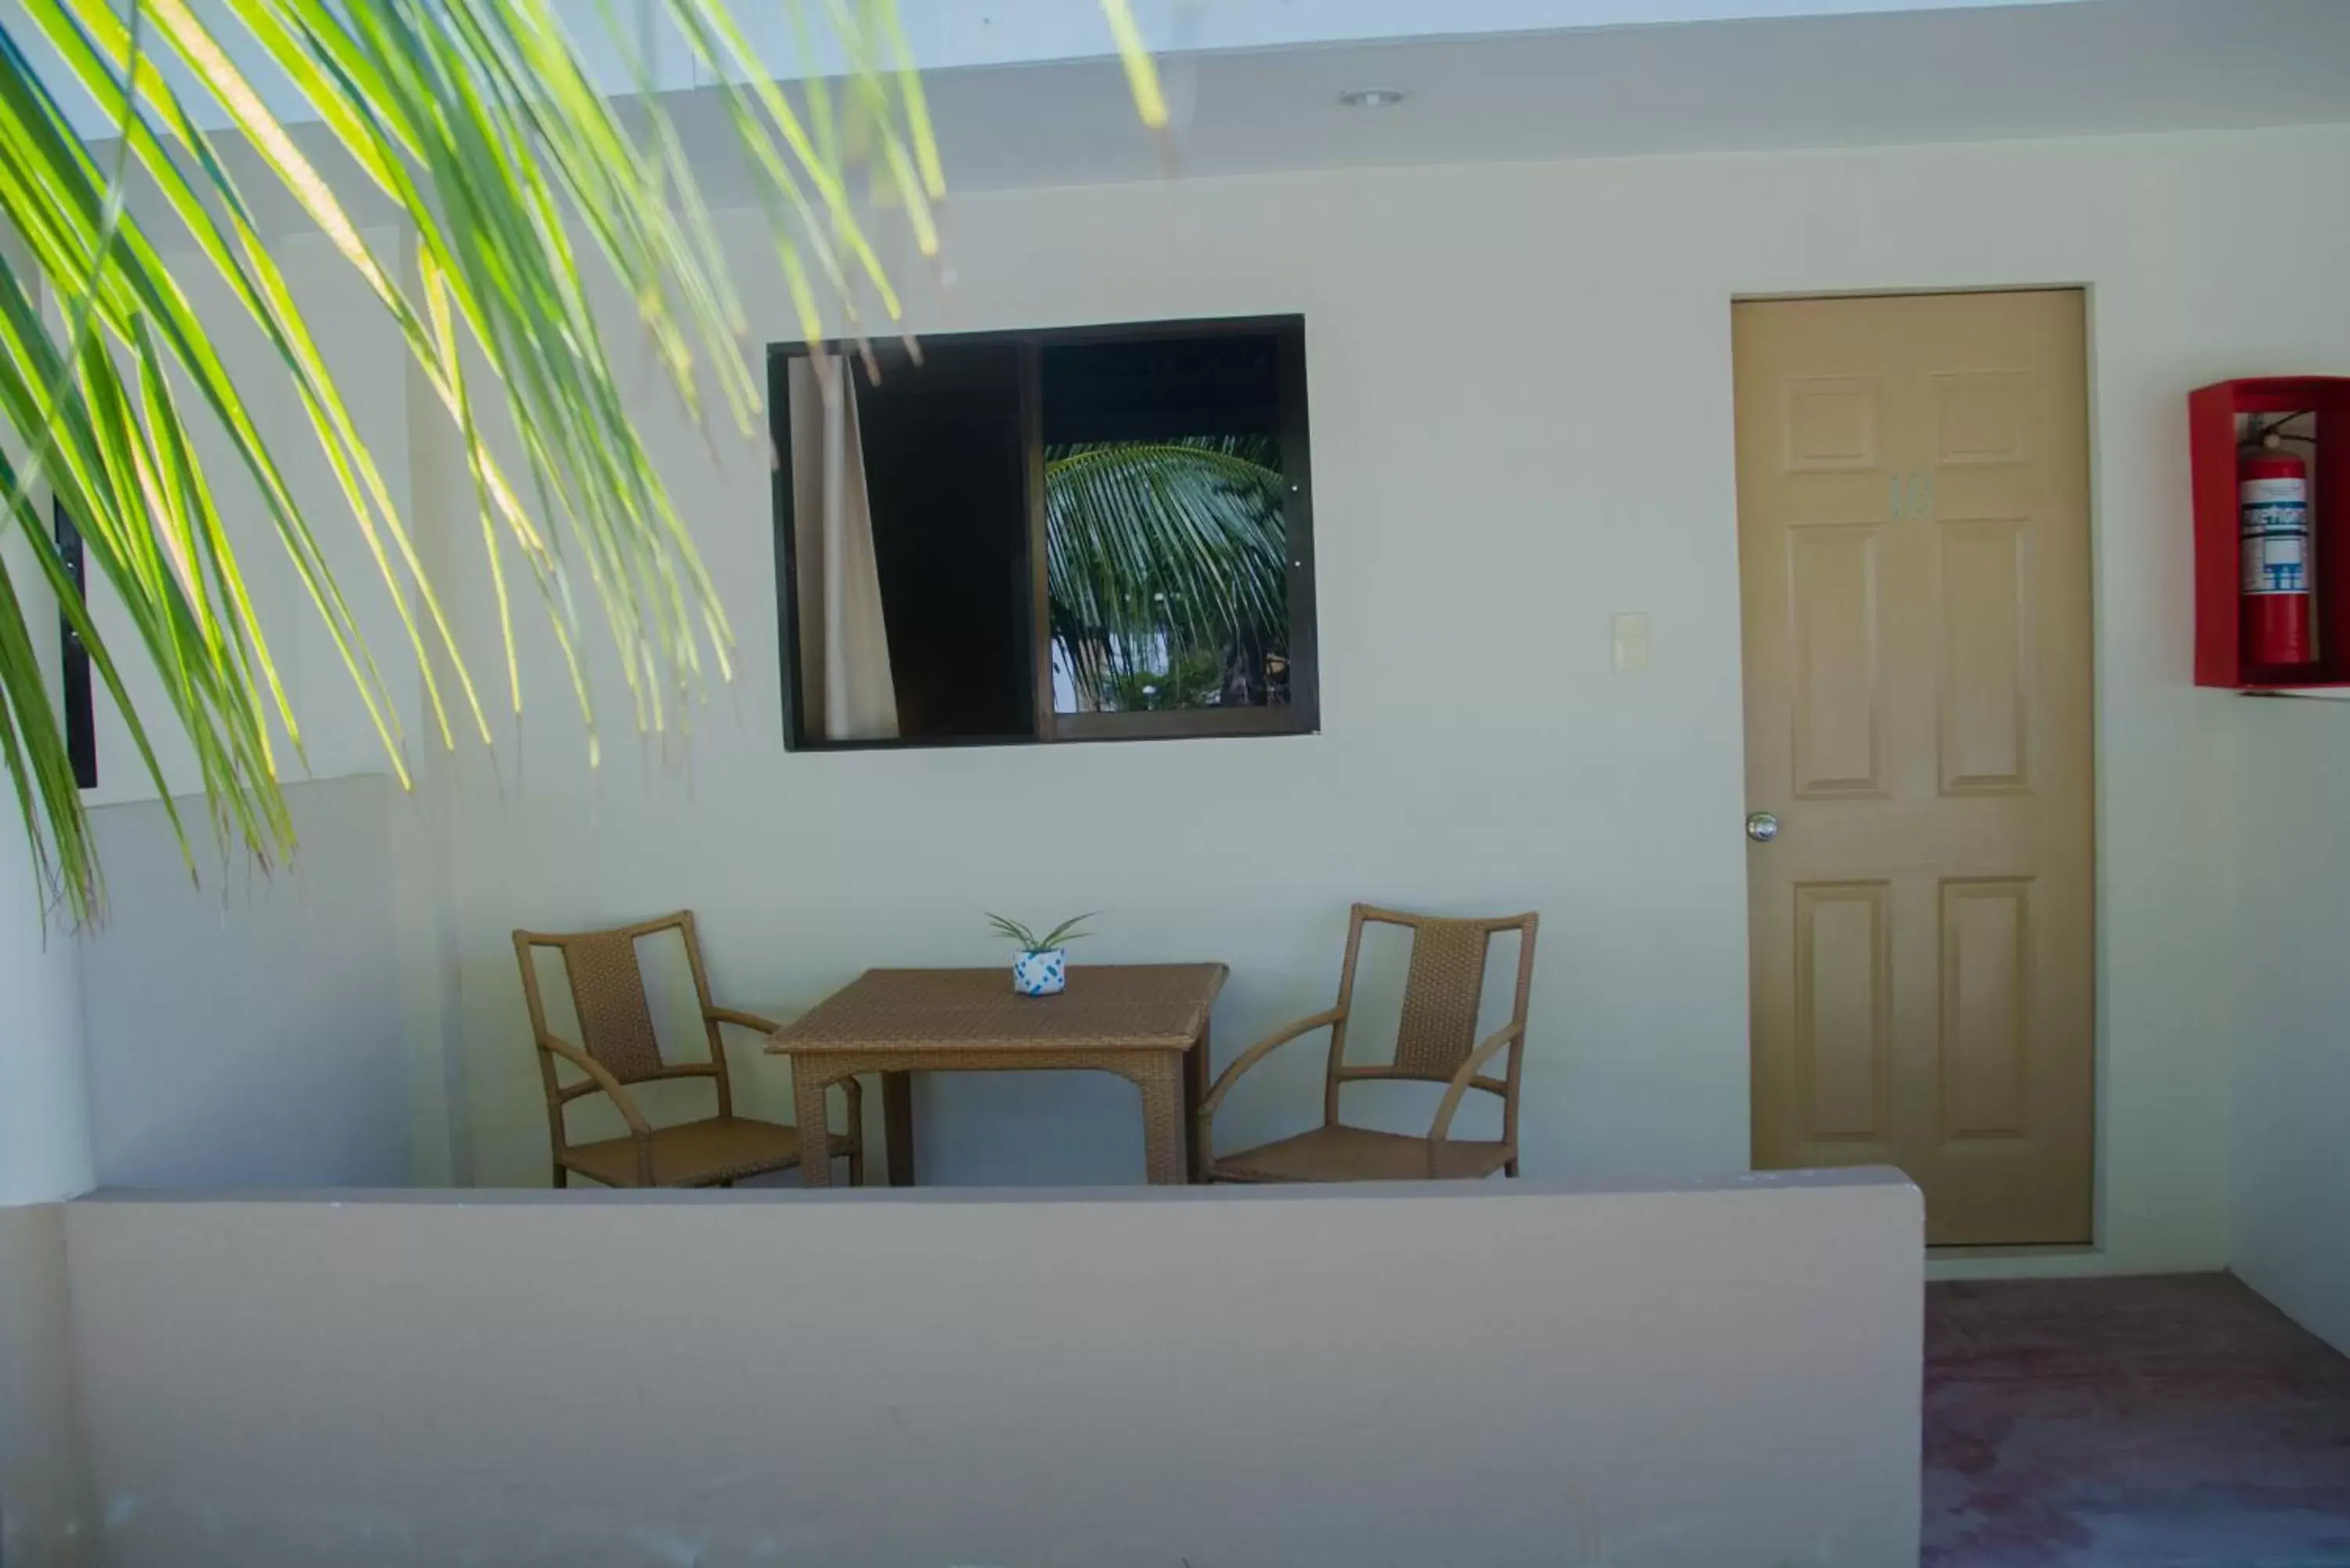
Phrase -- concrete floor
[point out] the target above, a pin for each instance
(2180, 1422)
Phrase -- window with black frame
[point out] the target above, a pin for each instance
(1095, 534)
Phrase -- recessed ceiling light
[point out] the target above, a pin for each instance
(1373, 98)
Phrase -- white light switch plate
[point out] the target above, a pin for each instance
(1631, 642)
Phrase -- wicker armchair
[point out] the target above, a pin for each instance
(1436, 1043)
(618, 1048)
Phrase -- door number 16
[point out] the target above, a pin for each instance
(1913, 495)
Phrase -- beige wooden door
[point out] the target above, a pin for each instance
(1914, 546)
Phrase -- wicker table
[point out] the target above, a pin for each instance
(1145, 1022)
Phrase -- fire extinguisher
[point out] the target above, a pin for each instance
(2273, 501)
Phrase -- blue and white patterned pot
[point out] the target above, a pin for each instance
(1041, 975)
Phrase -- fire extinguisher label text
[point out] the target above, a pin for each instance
(2275, 531)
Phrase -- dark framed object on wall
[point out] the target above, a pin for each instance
(1085, 533)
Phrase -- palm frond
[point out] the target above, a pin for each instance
(479, 120)
(1178, 543)
(1141, 73)
(480, 123)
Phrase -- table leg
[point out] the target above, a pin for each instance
(1160, 1079)
(898, 1125)
(1196, 1152)
(815, 1131)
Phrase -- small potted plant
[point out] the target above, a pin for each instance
(1041, 967)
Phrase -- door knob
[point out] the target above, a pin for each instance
(1762, 826)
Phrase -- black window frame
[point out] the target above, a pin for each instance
(1301, 715)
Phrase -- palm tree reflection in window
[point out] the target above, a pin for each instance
(1166, 574)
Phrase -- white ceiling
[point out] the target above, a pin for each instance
(1869, 75)
(2082, 68)
(944, 34)
(954, 34)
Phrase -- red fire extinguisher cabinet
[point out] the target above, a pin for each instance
(2216, 428)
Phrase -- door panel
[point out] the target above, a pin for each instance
(1843, 1024)
(1986, 931)
(1986, 698)
(1913, 526)
(1832, 574)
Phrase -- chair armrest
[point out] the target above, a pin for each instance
(742, 1020)
(600, 1080)
(1466, 1075)
(1258, 1052)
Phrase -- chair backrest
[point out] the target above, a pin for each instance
(608, 993)
(1444, 991)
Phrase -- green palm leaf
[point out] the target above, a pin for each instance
(479, 122)
(1178, 544)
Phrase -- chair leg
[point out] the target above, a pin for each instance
(1510, 1169)
(857, 1167)
(562, 1176)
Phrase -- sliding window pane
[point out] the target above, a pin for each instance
(910, 546)
(1167, 547)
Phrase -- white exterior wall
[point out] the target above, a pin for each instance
(1522, 425)
(1686, 1376)
(2292, 1166)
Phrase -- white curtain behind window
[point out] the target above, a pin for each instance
(846, 692)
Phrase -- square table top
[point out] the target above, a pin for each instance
(1145, 1007)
